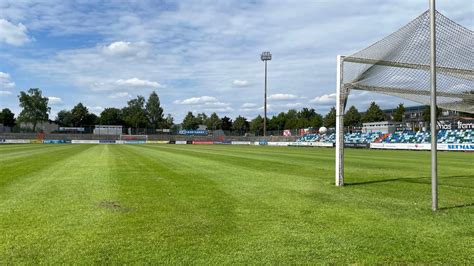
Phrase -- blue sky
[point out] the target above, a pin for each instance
(200, 56)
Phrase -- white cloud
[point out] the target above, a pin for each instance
(325, 99)
(122, 84)
(135, 82)
(120, 95)
(127, 49)
(5, 93)
(282, 97)
(5, 81)
(13, 34)
(206, 103)
(240, 83)
(54, 100)
(293, 105)
(249, 105)
(118, 48)
(198, 100)
(95, 109)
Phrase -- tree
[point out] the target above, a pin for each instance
(168, 122)
(241, 125)
(135, 114)
(79, 115)
(90, 119)
(256, 125)
(226, 123)
(7, 118)
(111, 116)
(213, 122)
(373, 114)
(399, 113)
(201, 118)
(291, 119)
(316, 121)
(190, 122)
(64, 118)
(427, 113)
(277, 122)
(330, 118)
(35, 107)
(154, 111)
(352, 117)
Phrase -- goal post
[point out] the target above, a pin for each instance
(406, 64)
(340, 106)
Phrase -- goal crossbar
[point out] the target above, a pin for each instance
(440, 69)
(405, 91)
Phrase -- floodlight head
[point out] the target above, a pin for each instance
(266, 56)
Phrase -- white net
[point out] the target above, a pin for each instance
(399, 64)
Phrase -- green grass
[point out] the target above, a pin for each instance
(215, 204)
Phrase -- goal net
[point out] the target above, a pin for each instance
(399, 65)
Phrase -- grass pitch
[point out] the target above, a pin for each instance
(230, 204)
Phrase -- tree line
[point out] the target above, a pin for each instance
(148, 113)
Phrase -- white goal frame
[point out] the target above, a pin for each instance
(341, 100)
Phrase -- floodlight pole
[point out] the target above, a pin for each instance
(265, 56)
(434, 159)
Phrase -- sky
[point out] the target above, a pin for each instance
(200, 56)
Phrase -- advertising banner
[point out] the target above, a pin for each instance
(241, 142)
(157, 142)
(312, 144)
(456, 147)
(56, 141)
(78, 129)
(180, 142)
(423, 146)
(107, 141)
(227, 142)
(203, 142)
(134, 141)
(193, 132)
(79, 141)
(17, 141)
(279, 143)
(357, 145)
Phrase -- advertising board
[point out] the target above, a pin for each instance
(226, 142)
(157, 142)
(193, 132)
(17, 141)
(423, 146)
(80, 141)
(240, 142)
(456, 147)
(56, 141)
(203, 142)
(180, 142)
(312, 144)
(278, 143)
(107, 141)
(357, 145)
